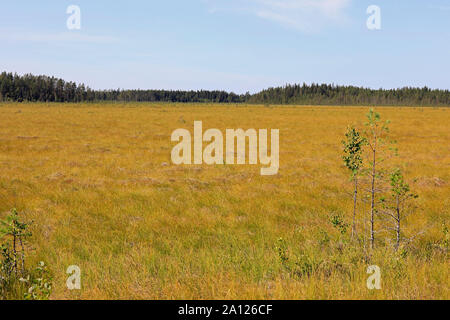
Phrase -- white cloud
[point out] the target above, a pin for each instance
(302, 15)
(441, 8)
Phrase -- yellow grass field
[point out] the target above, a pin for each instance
(99, 184)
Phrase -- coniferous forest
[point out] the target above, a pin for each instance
(14, 87)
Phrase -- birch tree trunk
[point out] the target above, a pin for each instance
(372, 204)
(397, 245)
(355, 198)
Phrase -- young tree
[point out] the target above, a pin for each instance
(396, 207)
(376, 135)
(18, 232)
(353, 149)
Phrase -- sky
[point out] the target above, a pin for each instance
(233, 45)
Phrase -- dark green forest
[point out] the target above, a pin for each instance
(14, 87)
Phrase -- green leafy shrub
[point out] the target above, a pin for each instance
(40, 283)
(338, 222)
(16, 282)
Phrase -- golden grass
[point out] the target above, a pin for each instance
(99, 184)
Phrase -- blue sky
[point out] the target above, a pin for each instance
(235, 45)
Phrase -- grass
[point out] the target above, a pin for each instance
(99, 184)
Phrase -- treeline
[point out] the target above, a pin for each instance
(324, 94)
(168, 96)
(32, 88)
